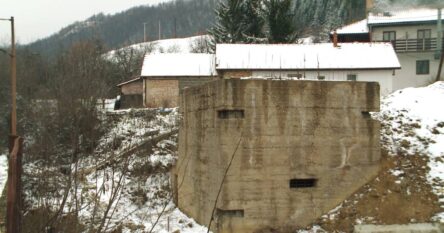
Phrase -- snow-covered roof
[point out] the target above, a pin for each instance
(129, 81)
(354, 28)
(178, 65)
(306, 57)
(404, 17)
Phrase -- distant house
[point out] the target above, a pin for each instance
(164, 75)
(131, 93)
(416, 35)
(376, 62)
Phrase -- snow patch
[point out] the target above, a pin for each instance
(3, 172)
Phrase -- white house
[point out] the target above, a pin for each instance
(416, 35)
(376, 62)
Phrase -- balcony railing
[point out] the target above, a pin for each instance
(415, 45)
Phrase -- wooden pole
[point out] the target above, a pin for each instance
(438, 76)
(13, 209)
(440, 40)
(13, 82)
(160, 31)
(144, 32)
(175, 27)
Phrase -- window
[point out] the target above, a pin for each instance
(424, 39)
(389, 36)
(422, 67)
(298, 76)
(303, 183)
(227, 114)
(352, 77)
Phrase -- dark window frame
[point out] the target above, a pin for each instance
(352, 77)
(231, 114)
(422, 70)
(303, 183)
(240, 213)
(391, 36)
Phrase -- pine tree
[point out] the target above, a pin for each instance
(253, 20)
(280, 21)
(229, 25)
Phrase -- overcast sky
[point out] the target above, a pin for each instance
(36, 19)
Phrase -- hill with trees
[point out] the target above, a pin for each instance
(180, 18)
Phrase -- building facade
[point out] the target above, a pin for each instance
(131, 94)
(165, 75)
(270, 153)
(371, 62)
(416, 36)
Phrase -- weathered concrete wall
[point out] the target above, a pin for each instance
(277, 131)
(410, 228)
(164, 92)
(133, 88)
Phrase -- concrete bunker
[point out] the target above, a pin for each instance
(273, 153)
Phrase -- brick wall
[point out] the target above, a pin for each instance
(133, 88)
(236, 74)
(162, 93)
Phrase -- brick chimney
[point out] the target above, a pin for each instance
(335, 39)
(369, 5)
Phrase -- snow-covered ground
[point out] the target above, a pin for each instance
(3, 172)
(178, 45)
(145, 198)
(413, 123)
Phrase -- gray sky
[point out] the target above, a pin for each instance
(36, 19)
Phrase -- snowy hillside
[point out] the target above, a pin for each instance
(412, 174)
(413, 123)
(126, 184)
(180, 45)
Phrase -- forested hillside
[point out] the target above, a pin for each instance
(318, 17)
(191, 17)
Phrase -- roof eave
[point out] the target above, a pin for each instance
(403, 23)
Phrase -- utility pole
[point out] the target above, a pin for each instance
(440, 44)
(13, 212)
(13, 81)
(160, 31)
(175, 27)
(144, 32)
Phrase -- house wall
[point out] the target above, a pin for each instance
(402, 32)
(407, 77)
(164, 91)
(383, 77)
(289, 130)
(133, 88)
